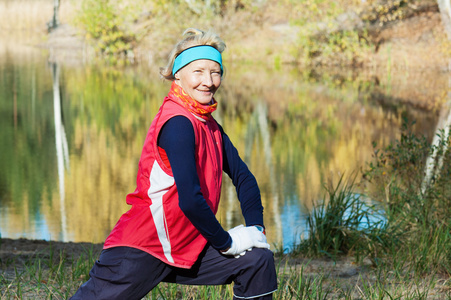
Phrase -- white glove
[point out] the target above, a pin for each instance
(245, 238)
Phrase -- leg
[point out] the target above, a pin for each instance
(122, 273)
(254, 273)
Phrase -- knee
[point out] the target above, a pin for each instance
(259, 257)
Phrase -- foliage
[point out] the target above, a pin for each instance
(396, 170)
(420, 208)
(385, 11)
(117, 28)
(107, 23)
(336, 48)
(204, 8)
(400, 171)
(318, 10)
(413, 240)
(343, 32)
(328, 34)
(325, 32)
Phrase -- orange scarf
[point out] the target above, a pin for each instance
(201, 110)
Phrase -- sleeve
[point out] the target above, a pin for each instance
(178, 140)
(244, 182)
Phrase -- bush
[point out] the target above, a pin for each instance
(340, 48)
(106, 25)
(400, 174)
(418, 204)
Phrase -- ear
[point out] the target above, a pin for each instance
(177, 80)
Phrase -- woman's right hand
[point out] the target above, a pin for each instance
(244, 239)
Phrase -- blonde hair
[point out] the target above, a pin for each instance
(192, 37)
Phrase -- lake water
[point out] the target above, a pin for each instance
(72, 134)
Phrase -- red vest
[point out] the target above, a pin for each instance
(155, 224)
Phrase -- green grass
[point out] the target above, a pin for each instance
(58, 278)
(46, 275)
(344, 223)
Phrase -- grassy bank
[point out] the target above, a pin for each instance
(56, 274)
(397, 248)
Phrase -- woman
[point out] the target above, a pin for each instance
(171, 233)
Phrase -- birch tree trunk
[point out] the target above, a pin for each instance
(434, 164)
(445, 14)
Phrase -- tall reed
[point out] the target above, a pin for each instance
(345, 224)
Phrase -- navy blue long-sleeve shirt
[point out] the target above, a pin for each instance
(178, 140)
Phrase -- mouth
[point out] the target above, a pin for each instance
(207, 92)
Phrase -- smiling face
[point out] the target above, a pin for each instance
(200, 79)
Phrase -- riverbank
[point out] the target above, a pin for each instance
(397, 35)
(40, 269)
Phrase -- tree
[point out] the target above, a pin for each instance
(54, 22)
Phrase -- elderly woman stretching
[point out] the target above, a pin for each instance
(171, 234)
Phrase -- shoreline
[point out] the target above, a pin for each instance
(18, 256)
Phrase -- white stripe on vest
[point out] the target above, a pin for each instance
(160, 183)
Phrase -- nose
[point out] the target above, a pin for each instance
(207, 80)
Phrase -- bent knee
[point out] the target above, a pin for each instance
(259, 256)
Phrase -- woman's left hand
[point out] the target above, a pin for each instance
(244, 239)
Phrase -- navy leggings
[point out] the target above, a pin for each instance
(129, 273)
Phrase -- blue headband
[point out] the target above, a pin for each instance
(196, 53)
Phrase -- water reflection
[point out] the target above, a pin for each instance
(62, 152)
(72, 137)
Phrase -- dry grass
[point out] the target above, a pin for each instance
(27, 19)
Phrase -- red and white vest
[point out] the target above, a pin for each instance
(155, 224)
